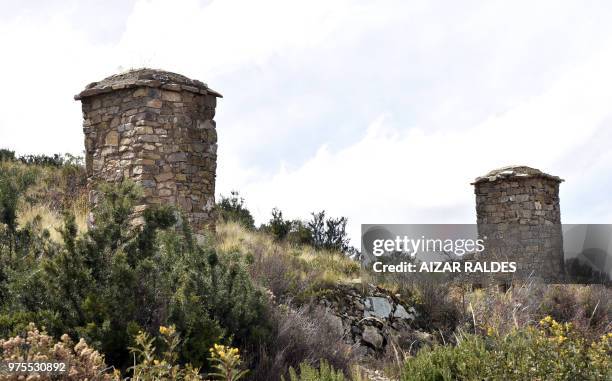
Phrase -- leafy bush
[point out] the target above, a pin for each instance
(117, 279)
(308, 373)
(329, 233)
(56, 160)
(14, 181)
(164, 367)
(552, 351)
(232, 209)
(7, 155)
(320, 232)
(278, 227)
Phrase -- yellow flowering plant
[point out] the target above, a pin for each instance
(227, 362)
(152, 367)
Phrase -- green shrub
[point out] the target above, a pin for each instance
(154, 366)
(278, 227)
(329, 233)
(308, 373)
(118, 279)
(322, 233)
(553, 351)
(7, 155)
(232, 209)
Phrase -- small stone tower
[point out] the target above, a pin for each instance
(157, 129)
(518, 212)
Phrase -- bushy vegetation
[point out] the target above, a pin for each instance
(114, 285)
(550, 351)
(153, 365)
(308, 373)
(320, 232)
(82, 361)
(56, 160)
(115, 280)
(289, 271)
(232, 209)
(151, 302)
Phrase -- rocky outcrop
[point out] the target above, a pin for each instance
(372, 318)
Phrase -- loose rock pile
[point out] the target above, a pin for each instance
(372, 319)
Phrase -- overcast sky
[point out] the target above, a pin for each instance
(381, 111)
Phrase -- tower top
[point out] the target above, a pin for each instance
(515, 172)
(145, 77)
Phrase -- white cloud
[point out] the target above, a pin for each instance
(382, 111)
(414, 176)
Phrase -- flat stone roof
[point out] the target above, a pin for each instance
(146, 77)
(514, 171)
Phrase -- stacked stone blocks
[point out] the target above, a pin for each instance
(518, 212)
(157, 129)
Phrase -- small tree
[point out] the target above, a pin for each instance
(329, 233)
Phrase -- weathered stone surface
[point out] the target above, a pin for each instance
(377, 307)
(112, 138)
(171, 96)
(143, 125)
(372, 336)
(518, 212)
(155, 103)
(345, 304)
(145, 79)
(401, 313)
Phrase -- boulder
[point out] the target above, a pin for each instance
(376, 306)
(372, 337)
(401, 313)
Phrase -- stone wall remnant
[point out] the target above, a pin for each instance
(156, 128)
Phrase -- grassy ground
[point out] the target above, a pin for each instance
(51, 191)
(287, 270)
(296, 273)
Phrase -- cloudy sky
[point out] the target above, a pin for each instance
(382, 111)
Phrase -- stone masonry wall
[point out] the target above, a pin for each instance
(156, 128)
(518, 212)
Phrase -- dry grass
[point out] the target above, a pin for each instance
(41, 215)
(302, 335)
(587, 307)
(51, 191)
(287, 270)
(46, 218)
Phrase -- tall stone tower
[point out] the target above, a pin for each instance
(518, 212)
(157, 129)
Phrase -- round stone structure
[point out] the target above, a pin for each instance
(518, 211)
(156, 128)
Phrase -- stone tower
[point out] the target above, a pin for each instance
(518, 212)
(157, 129)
